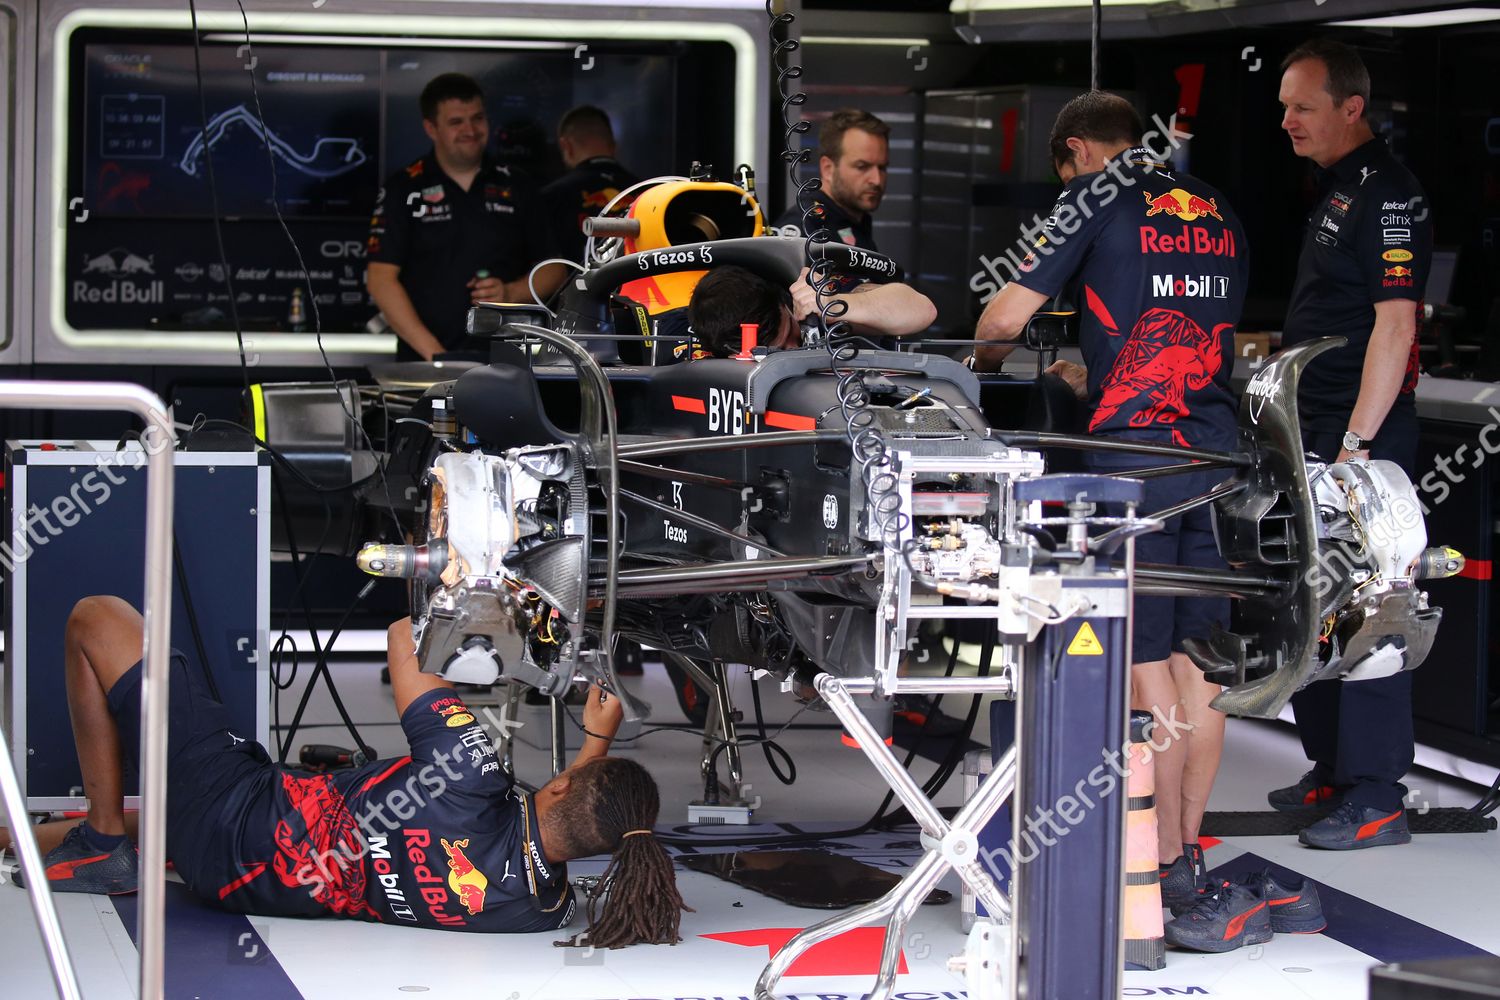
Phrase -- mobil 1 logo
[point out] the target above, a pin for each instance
(1189, 286)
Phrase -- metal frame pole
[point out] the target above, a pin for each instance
(157, 611)
(36, 879)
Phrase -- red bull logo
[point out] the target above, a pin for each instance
(1181, 204)
(600, 198)
(467, 882)
(458, 716)
(1398, 272)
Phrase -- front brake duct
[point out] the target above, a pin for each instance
(1269, 527)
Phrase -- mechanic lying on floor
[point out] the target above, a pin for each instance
(442, 838)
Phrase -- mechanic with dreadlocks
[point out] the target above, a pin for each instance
(442, 838)
(1157, 264)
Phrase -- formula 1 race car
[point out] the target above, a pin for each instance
(794, 510)
(799, 511)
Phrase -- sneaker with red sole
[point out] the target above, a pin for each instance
(1227, 918)
(1308, 795)
(1183, 881)
(76, 865)
(1353, 827)
(1294, 904)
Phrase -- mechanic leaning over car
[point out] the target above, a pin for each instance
(452, 228)
(1364, 266)
(1157, 263)
(853, 163)
(728, 296)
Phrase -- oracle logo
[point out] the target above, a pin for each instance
(342, 249)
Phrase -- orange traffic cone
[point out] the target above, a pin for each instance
(1144, 946)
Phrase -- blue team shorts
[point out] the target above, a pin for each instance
(1162, 623)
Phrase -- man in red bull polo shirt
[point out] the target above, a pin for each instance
(586, 142)
(441, 838)
(452, 228)
(1364, 265)
(1157, 263)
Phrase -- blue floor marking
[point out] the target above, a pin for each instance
(1384, 935)
(211, 953)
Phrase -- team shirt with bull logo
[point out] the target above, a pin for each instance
(1369, 239)
(1156, 264)
(441, 236)
(439, 839)
(581, 193)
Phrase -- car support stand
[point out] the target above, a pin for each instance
(1073, 694)
(949, 846)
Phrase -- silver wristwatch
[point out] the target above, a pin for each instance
(1353, 442)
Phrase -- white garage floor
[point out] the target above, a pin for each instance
(1433, 898)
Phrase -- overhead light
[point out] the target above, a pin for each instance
(1022, 6)
(861, 40)
(384, 42)
(1426, 18)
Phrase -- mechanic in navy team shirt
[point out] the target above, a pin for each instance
(1156, 263)
(853, 164)
(441, 838)
(452, 228)
(1365, 259)
(586, 142)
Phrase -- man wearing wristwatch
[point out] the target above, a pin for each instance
(1361, 274)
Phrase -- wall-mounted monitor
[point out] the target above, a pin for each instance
(157, 138)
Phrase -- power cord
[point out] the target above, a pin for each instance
(867, 443)
(300, 570)
(192, 617)
(879, 820)
(281, 220)
(321, 669)
(312, 298)
(213, 197)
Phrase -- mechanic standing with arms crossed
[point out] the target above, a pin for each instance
(451, 229)
(1157, 262)
(1364, 265)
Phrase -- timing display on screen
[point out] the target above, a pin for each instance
(145, 148)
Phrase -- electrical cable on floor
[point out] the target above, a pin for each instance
(760, 727)
(879, 820)
(1490, 801)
